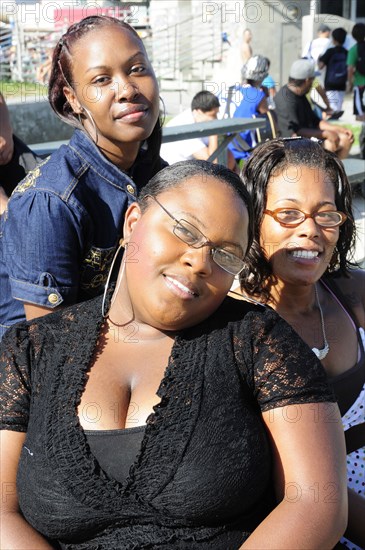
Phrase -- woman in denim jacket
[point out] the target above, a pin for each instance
(64, 219)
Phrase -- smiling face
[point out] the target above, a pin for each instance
(114, 81)
(172, 285)
(299, 255)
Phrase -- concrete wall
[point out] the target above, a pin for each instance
(35, 122)
(310, 27)
(276, 27)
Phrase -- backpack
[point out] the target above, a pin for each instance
(360, 64)
(336, 73)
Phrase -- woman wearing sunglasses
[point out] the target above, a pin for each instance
(170, 416)
(299, 264)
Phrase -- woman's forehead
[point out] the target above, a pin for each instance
(209, 201)
(108, 33)
(201, 185)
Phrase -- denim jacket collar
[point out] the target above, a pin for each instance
(84, 147)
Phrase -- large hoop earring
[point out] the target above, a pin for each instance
(105, 312)
(81, 126)
(90, 117)
(162, 111)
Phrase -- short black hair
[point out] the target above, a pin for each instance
(296, 81)
(176, 174)
(339, 35)
(358, 32)
(205, 101)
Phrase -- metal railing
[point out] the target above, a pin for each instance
(186, 50)
(22, 53)
(180, 53)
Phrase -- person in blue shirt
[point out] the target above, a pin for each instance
(64, 219)
(253, 102)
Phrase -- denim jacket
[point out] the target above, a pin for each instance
(61, 228)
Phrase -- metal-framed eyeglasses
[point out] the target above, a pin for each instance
(191, 235)
(292, 217)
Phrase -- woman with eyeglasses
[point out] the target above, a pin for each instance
(300, 265)
(63, 221)
(168, 415)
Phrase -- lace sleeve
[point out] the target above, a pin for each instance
(279, 367)
(15, 356)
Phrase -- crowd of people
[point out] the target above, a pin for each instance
(307, 105)
(182, 362)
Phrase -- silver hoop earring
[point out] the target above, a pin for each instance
(162, 111)
(104, 313)
(95, 130)
(80, 121)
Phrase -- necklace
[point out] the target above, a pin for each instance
(321, 353)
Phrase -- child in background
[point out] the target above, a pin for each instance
(334, 59)
(269, 87)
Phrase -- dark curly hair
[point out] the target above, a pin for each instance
(269, 159)
(62, 75)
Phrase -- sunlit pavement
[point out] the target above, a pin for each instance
(359, 214)
(358, 199)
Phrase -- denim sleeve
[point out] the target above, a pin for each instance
(42, 245)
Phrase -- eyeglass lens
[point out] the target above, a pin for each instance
(191, 235)
(325, 219)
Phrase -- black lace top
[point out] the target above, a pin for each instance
(202, 477)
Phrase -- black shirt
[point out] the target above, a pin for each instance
(293, 112)
(202, 478)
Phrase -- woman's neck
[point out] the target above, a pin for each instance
(124, 157)
(137, 332)
(286, 298)
(122, 319)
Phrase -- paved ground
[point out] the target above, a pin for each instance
(359, 200)
(359, 212)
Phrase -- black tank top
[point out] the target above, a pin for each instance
(116, 450)
(348, 384)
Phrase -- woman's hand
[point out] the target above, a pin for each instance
(6, 134)
(3, 200)
(355, 531)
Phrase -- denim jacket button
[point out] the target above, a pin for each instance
(130, 189)
(53, 298)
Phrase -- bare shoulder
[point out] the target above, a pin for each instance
(353, 288)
